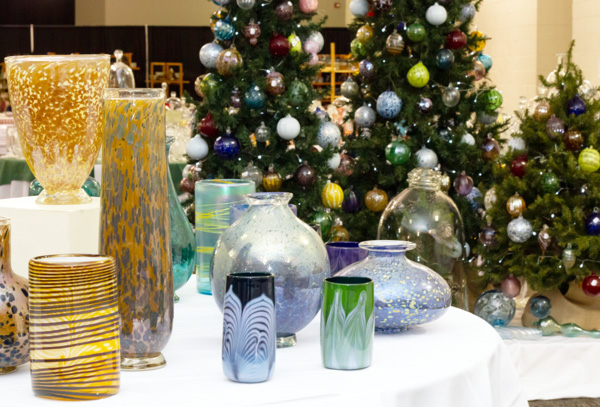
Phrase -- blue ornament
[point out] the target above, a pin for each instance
(227, 147)
(475, 197)
(444, 59)
(495, 308)
(224, 30)
(255, 98)
(486, 60)
(576, 106)
(540, 306)
(592, 223)
(389, 105)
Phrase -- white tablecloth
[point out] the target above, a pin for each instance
(457, 361)
(16, 189)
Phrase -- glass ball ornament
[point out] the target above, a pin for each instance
(591, 285)
(436, 15)
(573, 140)
(592, 223)
(295, 43)
(198, 86)
(357, 49)
(519, 230)
(490, 198)
(478, 71)
(329, 135)
(254, 97)
(426, 158)
(208, 126)
(339, 234)
(492, 100)
(474, 198)
(576, 106)
(376, 200)
(487, 118)
(224, 30)
(540, 306)
(235, 100)
(389, 105)
(418, 75)
(555, 128)
(305, 175)
(209, 53)
(246, 4)
(519, 165)
(425, 105)
(394, 44)
(444, 59)
(397, 152)
(486, 60)
(479, 41)
(467, 12)
(335, 161)
(351, 203)
(366, 69)
(446, 183)
(456, 39)
(463, 184)
(366, 90)
(284, 10)
(359, 8)
(346, 167)
(288, 128)
(253, 173)
(511, 286)
(275, 84)
(495, 308)
(262, 133)
(209, 83)
(445, 134)
(323, 219)
(196, 148)
(298, 93)
(227, 147)
(228, 61)
(279, 46)
(317, 37)
(516, 144)
(487, 236)
(550, 182)
(468, 139)
(490, 149)
(272, 180)
(310, 47)
(308, 6)
(542, 111)
(516, 205)
(332, 195)
(252, 32)
(568, 257)
(349, 88)
(589, 160)
(450, 96)
(364, 34)
(416, 32)
(364, 116)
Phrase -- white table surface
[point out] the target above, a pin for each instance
(458, 360)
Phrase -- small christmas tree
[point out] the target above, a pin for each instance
(543, 217)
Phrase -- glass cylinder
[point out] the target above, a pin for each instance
(57, 105)
(249, 334)
(14, 309)
(183, 242)
(135, 222)
(214, 198)
(426, 216)
(74, 327)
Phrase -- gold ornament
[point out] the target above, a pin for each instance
(394, 43)
(332, 195)
(228, 61)
(272, 181)
(339, 234)
(364, 34)
(376, 200)
(479, 41)
(515, 205)
(446, 183)
(542, 111)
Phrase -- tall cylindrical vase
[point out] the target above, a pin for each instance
(214, 198)
(134, 221)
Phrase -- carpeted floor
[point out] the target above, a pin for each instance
(566, 403)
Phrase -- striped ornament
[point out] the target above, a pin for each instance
(74, 327)
(332, 195)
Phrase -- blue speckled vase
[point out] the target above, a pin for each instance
(268, 238)
(406, 293)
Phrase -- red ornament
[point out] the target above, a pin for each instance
(518, 165)
(279, 45)
(591, 285)
(208, 127)
(456, 39)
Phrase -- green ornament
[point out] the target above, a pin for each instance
(397, 152)
(550, 182)
(324, 220)
(418, 75)
(298, 93)
(416, 32)
(493, 100)
(209, 83)
(358, 50)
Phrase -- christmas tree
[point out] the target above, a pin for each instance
(542, 217)
(422, 99)
(254, 110)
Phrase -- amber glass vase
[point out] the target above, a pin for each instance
(57, 105)
(74, 327)
(134, 221)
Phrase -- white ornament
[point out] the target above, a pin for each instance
(426, 158)
(359, 8)
(197, 148)
(288, 128)
(519, 230)
(467, 138)
(317, 37)
(517, 144)
(436, 15)
(329, 135)
(364, 116)
(334, 162)
(245, 4)
(209, 54)
(490, 198)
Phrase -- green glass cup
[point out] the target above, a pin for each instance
(347, 323)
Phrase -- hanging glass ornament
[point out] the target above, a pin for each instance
(229, 60)
(376, 200)
(397, 152)
(478, 43)
(332, 195)
(262, 133)
(335, 161)
(487, 236)
(208, 126)
(518, 166)
(359, 8)
(224, 30)
(576, 106)
(487, 117)
(468, 139)
(198, 86)
(516, 144)
(515, 205)
(394, 44)
(252, 32)
(568, 257)
(254, 97)
(253, 173)
(425, 105)
(275, 85)
(298, 93)
(227, 147)
(389, 105)
(308, 6)
(305, 175)
(349, 88)
(366, 69)
(445, 134)
(272, 181)
(323, 219)
(418, 75)
(486, 60)
(467, 13)
(463, 184)
(450, 96)
(279, 46)
(492, 100)
(209, 53)
(351, 203)
(364, 116)
(209, 83)
(346, 167)
(357, 49)
(329, 135)
(416, 32)
(544, 239)
(366, 90)
(511, 286)
(284, 10)
(436, 15)
(592, 223)
(555, 128)
(573, 140)
(196, 148)
(456, 39)
(317, 37)
(490, 198)
(288, 128)
(235, 100)
(550, 182)
(490, 149)
(295, 44)
(245, 4)
(540, 306)
(589, 160)
(478, 71)
(311, 47)
(446, 183)
(426, 158)
(542, 111)
(591, 285)
(364, 34)
(444, 59)
(519, 230)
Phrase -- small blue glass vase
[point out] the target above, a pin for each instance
(406, 293)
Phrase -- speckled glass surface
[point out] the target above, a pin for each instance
(57, 105)
(406, 293)
(269, 238)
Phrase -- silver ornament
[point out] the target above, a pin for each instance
(359, 8)
(253, 173)
(517, 144)
(329, 135)
(262, 133)
(196, 148)
(450, 96)
(364, 116)
(467, 13)
(467, 138)
(490, 198)
(317, 37)
(426, 158)
(209, 54)
(568, 257)
(349, 88)
(519, 230)
(245, 4)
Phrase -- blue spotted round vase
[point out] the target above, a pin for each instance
(406, 293)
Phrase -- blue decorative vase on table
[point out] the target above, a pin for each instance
(406, 293)
(268, 238)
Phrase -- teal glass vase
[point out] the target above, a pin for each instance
(183, 242)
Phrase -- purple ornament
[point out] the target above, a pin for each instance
(366, 69)
(425, 105)
(511, 286)
(487, 236)
(463, 184)
(343, 254)
(555, 128)
(351, 203)
(227, 147)
(576, 106)
(592, 223)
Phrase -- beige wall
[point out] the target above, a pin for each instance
(586, 32)
(90, 12)
(554, 33)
